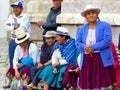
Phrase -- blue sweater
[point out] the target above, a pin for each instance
(103, 39)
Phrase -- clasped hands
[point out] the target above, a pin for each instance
(88, 49)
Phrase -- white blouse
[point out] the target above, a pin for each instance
(33, 53)
(56, 56)
(91, 39)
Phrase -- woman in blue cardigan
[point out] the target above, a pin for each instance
(95, 60)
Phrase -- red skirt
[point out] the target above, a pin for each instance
(25, 73)
(94, 75)
(70, 78)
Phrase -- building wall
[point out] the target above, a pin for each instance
(110, 12)
(70, 16)
(4, 12)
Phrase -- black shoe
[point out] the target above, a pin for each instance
(6, 87)
(24, 87)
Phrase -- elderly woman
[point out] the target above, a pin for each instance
(64, 53)
(95, 60)
(26, 55)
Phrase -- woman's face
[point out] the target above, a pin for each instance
(24, 44)
(60, 39)
(50, 41)
(91, 16)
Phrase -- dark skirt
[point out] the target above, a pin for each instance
(70, 78)
(94, 75)
(25, 73)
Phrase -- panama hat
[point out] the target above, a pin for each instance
(62, 31)
(50, 34)
(90, 8)
(21, 35)
(19, 4)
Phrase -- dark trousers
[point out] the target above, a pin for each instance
(12, 46)
(35, 74)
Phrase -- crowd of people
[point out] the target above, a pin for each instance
(89, 62)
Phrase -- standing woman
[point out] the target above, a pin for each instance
(96, 61)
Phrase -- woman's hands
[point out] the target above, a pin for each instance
(17, 74)
(77, 69)
(56, 64)
(19, 65)
(55, 67)
(39, 65)
(47, 63)
(89, 50)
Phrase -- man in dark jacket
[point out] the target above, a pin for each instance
(50, 23)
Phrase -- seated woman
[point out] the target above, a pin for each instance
(45, 57)
(64, 53)
(26, 55)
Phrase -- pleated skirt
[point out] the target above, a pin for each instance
(52, 79)
(94, 76)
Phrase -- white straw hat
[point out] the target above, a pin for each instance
(89, 8)
(21, 35)
(62, 31)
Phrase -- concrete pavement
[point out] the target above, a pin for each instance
(3, 62)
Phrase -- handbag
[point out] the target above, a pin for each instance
(16, 84)
(27, 61)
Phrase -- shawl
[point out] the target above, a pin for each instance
(67, 50)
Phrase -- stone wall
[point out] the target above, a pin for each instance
(70, 16)
(110, 12)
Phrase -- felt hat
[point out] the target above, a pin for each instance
(50, 34)
(90, 8)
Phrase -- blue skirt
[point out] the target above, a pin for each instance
(52, 79)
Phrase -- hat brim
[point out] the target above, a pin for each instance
(48, 36)
(22, 40)
(12, 5)
(62, 34)
(92, 9)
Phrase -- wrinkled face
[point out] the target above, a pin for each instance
(57, 3)
(60, 39)
(91, 16)
(17, 10)
(50, 41)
